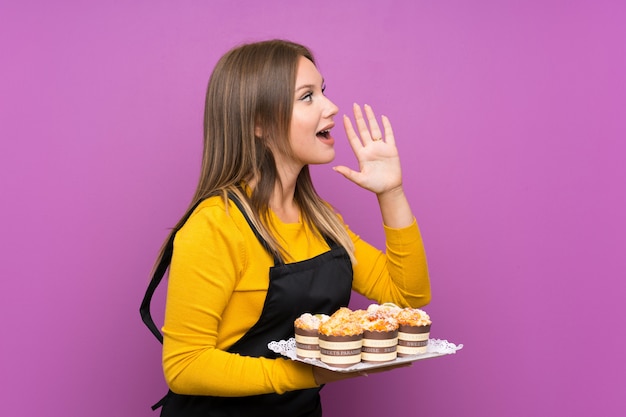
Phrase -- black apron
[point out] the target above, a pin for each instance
(319, 285)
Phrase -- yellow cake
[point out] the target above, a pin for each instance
(306, 334)
(341, 339)
(413, 332)
(380, 335)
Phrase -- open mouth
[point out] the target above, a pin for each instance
(323, 134)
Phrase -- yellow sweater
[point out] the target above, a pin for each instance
(217, 285)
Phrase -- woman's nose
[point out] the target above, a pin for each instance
(330, 108)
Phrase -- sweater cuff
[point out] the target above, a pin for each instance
(294, 376)
(304, 373)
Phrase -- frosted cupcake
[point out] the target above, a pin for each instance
(340, 339)
(387, 309)
(413, 332)
(306, 334)
(380, 335)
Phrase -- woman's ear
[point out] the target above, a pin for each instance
(258, 132)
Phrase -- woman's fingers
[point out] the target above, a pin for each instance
(367, 126)
(389, 137)
(367, 133)
(374, 129)
(353, 138)
(379, 165)
(361, 125)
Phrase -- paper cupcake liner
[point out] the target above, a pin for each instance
(379, 346)
(413, 340)
(340, 351)
(307, 343)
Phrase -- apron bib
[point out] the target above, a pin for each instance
(318, 285)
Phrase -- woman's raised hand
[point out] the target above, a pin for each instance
(377, 155)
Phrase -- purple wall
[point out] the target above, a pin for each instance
(511, 119)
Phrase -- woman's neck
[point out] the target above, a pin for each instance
(283, 205)
(282, 201)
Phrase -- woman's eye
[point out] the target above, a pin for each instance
(307, 97)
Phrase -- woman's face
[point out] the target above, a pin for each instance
(312, 119)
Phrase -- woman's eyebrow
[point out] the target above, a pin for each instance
(306, 86)
(309, 86)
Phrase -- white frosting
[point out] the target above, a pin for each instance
(312, 321)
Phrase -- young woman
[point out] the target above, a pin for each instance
(258, 247)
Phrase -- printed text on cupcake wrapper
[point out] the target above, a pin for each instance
(435, 348)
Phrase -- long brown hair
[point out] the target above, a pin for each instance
(252, 86)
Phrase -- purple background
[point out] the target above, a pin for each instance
(511, 120)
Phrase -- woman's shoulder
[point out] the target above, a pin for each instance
(210, 203)
(214, 213)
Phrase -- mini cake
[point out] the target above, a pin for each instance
(380, 335)
(388, 309)
(413, 332)
(306, 331)
(340, 339)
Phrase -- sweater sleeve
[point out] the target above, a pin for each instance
(209, 254)
(400, 275)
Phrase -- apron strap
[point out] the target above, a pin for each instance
(263, 242)
(277, 261)
(165, 262)
(159, 272)
(166, 259)
(144, 310)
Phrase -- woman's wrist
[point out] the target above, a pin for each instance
(394, 208)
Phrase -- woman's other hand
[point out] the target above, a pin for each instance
(377, 155)
(379, 166)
